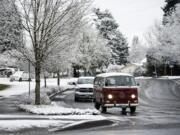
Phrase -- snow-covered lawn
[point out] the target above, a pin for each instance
(16, 125)
(159, 77)
(19, 88)
(12, 123)
(169, 77)
(54, 109)
(53, 117)
(51, 123)
(143, 77)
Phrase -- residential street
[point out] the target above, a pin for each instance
(89, 67)
(157, 112)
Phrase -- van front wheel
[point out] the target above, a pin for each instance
(132, 109)
(96, 105)
(103, 109)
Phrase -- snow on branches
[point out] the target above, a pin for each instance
(164, 39)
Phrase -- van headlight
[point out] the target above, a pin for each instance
(110, 96)
(133, 96)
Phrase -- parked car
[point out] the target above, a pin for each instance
(115, 90)
(20, 76)
(84, 89)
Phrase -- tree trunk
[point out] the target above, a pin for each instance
(37, 87)
(45, 82)
(85, 72)
(165, 71)
(58, 78)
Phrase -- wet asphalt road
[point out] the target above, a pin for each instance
(158, 111)
(157, 114)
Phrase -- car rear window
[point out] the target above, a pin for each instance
(120, 81)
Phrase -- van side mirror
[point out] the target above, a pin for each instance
(72, 83)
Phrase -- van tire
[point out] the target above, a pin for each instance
(124, 111)
(103, 109)
(133, 109)
(96, 105)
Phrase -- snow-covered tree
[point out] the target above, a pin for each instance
(59, 61)
(49, 25)
(164, 41)
(137, 50)
(92, 52)
(108, 28)
(6, 60)
(172, 30)
(10, 26)
(170, 6)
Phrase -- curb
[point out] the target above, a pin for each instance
(83, 125)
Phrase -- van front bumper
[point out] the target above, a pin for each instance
(121, 105)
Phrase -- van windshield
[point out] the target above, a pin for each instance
(120, 81)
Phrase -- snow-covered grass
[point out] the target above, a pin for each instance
(55, 109)
(50, 122)
(159, 77)
(19, 88)
(169, 77)
(143, 77)
(16, 125)
(46, 94)
(53, 117)
(26, 99)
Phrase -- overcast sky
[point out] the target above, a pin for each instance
(133, 16)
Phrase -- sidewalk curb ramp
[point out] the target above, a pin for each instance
(83, 125)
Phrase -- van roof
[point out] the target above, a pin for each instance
(86, 77)
(113, 74)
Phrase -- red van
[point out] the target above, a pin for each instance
(115, 90)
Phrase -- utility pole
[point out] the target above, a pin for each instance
(29, 78)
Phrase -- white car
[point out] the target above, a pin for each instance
(20, 76)
(84, 89)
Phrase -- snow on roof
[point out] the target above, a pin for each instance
(18, 73)
(113, 74)
(86, 77)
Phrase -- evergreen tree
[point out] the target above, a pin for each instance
(108, 28)
(169, 8)
(10, 26)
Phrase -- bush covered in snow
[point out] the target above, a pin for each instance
(114, 68)
(54, 109)
(45, 100)
(26, 99)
